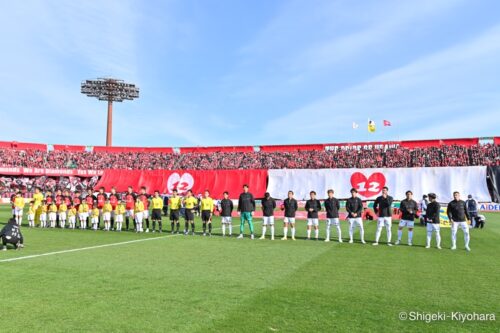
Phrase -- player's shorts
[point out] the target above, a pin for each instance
(406, 223)
(189, 214)
(268, 220)
(156, 214)
(129, 213)
(119, 218)
(94, 220)
(138, 217)
(43, 217)
(333, 221)
(355, 220)
(18, 211)
(145, 214)
(62, 215)
(433, 227)
(289, 220)
(384, 222)
(226, 220)
(72, 219)
(463, 225)
(174, 215)
(52, 216)
(314, 222)
(31, 217)
(205, 215)
(106, 216)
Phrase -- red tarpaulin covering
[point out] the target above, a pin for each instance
(104, 149)
(69, 148)
(20, 171)
(224, 149)
(22, 145)
(216, 181)
(436, 143)
(292, 147)
(497, 140)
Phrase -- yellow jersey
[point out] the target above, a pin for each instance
(120, 209)
(37, 198)
(31, 210)
(63, 208)
(43, 209)
(19, 202)
(139, 207)
(190, 202)
(95, 212)
(175, 203)
(83, 208)
(53, 208)
(207, 204)
(72, 212)
(107, 208)
(157, 203)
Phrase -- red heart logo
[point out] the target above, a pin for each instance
(368, 187)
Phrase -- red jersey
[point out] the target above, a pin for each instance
(90, 201)
(77, 201)
(101, 200)
(49, 200)
(67, 200)
(130, 201)
(12, 198)
(59, 200)
(145, 200)
(113, 200)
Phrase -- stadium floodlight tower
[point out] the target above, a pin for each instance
(111, 90)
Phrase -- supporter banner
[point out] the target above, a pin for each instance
(494, 182)
(489, 207)
(216, 181)
(15, 171)
(369, 182)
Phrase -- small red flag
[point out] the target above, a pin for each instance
(387, 123)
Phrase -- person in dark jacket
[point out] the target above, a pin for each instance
(383, 208)
(11, 234)
(354, 207)
(458, 215)
(432, 221)
(226, 210)
(268, 206)
(313, 206)
(290, 207)
(246, 207)
(408, 208)
(332, 207)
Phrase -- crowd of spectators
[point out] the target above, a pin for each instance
(366, 158)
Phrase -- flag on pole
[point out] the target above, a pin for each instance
(387, 123)
(371, 126)
(354, 125)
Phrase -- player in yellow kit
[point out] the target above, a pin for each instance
(53, 214)
(189, 203)
(94, 218)
(37, 202)
(72, 217)
(31, 215)
(83, 214)
(157, 204)
(175, 206)
(207, 208)
(18, 208)
(62, 214)
(119, 212)
(106, 214)
(138, 214)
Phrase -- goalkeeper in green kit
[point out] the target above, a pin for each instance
(246, 207)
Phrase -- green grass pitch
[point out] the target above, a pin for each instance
(200, 284)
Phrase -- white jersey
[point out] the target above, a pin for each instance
(423, 206)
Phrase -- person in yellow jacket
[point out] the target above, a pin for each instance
(207, 208)
(72, 217)
(94, 218)
(53, 214)
(175, 206)
(119, 212)
(42, 211)
(83, 214)
(157, 204)
(63, 209)
(138, 214)
(37, 198)
(106, 214)
(189, 203)
(18, 208)
(31, 214)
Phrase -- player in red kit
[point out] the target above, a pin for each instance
(90, 199)
(101, 200)
(129, 199)
(113, 200)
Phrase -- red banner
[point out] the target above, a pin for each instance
(216, 181)
(19, 171)
(497, 140)
(69, 148)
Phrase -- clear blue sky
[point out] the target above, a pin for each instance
(234, 72)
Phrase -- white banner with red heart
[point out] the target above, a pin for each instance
(369, 182)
